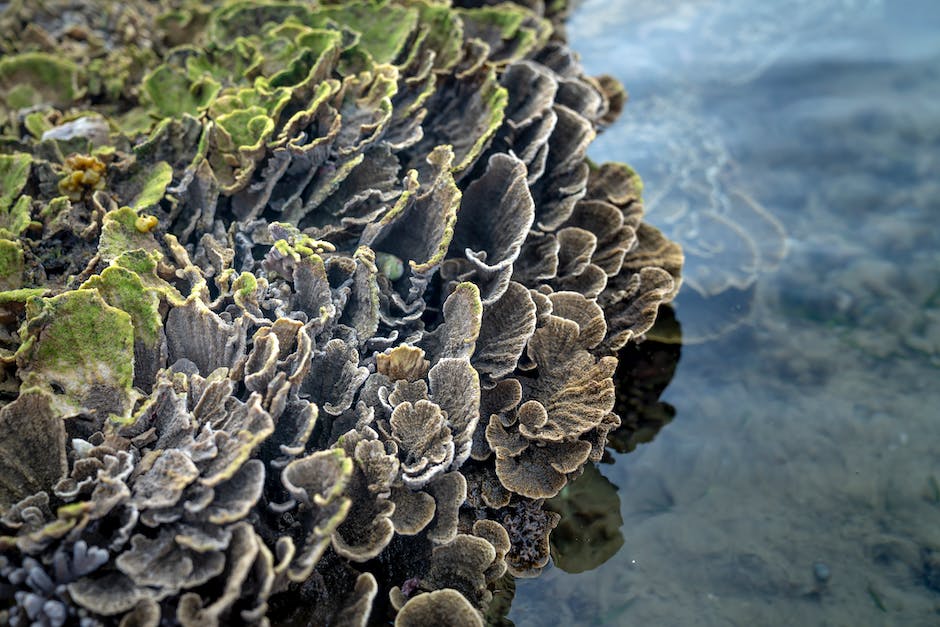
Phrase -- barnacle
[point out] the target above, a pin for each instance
(307, 306)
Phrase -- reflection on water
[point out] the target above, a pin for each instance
(793, 148)
(589, 532)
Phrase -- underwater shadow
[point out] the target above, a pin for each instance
(589, 532)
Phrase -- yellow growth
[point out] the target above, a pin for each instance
(83, 173)
(145, 224)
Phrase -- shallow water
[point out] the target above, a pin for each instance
(793, 148)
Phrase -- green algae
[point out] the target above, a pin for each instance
(150, 185)
(20, 295)
(248, 17)
(184, 25)
(382, 39)
(123, 289)
(11, 265)
(269, 100)
(37, 123)
(81, 349)
(36, 78)
(14, 172)
(516, 29)
(14, 217)
(245, 129)
(440, 31)
(173, 93)
(54, 208)
(119, 233)
(245, 288)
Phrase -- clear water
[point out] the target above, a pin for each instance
(793, 147)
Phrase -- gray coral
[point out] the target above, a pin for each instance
(298, 308)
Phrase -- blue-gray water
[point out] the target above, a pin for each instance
(793, 148)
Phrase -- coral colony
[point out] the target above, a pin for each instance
(306, 308)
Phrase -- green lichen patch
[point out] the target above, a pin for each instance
(35, 78)
(122, 288)
(514, 31)
(146, 186)
(21, 295)
(117, 75)
(185, 24)
(383, 39)
(440, 31)
(120, 233)
(269, 100)
(173, 93)
(245, 129)
(13, 223)
(37, 123)
(81, 350)
(245, 290)
(14, 208)
(319, 51)
(144, 265)
(11, 265)
(236, 145)
(248, 16)
(14, 172)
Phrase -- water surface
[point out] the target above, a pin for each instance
(793, 148)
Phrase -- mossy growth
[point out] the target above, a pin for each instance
(21, 295)
(81, 349)
(143, 264)
(441, 30)
(14, 217)
(148, 185)
(120, 233)
(173, 93)
(14, 173)
(517, 29)
(35, 78)
(244, 286)
(11, 265)
(123, 289)
(383, 39)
